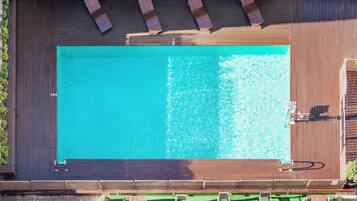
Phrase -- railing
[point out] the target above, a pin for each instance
(113, 186)
(290, 109)
(342, 125)
(343, 91)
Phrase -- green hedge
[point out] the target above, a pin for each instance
(351, 171)
(4, 83)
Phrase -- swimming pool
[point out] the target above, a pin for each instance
(172, 102)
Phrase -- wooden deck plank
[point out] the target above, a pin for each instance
(173, 169)
(74, 26)
(321, 34)
(35, 54)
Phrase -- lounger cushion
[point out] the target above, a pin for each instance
(151, 19)
(103, 23)
(200, 14)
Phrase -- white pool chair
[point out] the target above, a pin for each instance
(223, 196)
(181, 197)
(264, 196)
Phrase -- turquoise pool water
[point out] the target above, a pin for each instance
(172, 102)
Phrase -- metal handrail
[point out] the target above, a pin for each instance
(168, 185)
(342, 124)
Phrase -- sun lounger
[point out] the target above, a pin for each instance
(201, 16)
(98, 15)
(151, 19)
(223, 196)
(252, 11)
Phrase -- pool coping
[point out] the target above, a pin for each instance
(66, 53)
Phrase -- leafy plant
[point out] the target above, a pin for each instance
(338, 198)
(351, 171)
(4, 53)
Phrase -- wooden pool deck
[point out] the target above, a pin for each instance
(321, 34)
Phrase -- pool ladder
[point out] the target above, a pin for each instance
(60, 167)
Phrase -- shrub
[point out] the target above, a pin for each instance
(351, 171)
(4, 53)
